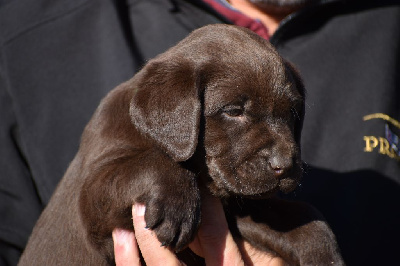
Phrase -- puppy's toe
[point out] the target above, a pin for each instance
(184, 232)
(154, 215)
(174, 224)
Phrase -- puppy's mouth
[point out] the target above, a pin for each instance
(257, 176)
(253, 178)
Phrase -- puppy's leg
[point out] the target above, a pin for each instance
(291, 230)
(124, 177)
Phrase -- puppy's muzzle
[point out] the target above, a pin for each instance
(281, 165)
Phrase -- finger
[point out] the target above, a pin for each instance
(152, 251)
(214, 242)
(125, 248)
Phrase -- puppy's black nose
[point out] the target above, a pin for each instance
(280, 165)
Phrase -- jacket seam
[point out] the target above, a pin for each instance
(12, 37)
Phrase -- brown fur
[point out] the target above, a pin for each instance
(221, 110)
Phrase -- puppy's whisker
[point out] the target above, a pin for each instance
(295, 113)
(239, 202)
(304, 167)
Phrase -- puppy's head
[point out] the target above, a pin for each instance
(252, 102)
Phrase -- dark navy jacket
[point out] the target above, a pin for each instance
(59, 58)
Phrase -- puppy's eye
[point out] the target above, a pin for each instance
(233, 110)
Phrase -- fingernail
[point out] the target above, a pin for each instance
(139, 209)
(121, 236)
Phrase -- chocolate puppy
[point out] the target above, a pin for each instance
(220, 111)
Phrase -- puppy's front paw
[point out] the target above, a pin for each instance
(174, 217)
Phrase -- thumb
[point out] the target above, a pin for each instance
(152, 251)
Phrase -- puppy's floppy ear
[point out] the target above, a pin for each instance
(295, 76)
(166, 105)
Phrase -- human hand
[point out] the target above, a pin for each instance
(213, 242)
(127, 243)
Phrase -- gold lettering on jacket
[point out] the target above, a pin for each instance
(370, 143)
(384, 146)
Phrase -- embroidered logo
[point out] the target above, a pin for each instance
(389, 144)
